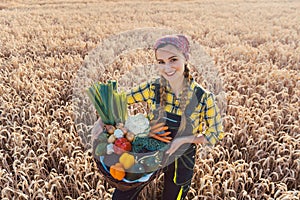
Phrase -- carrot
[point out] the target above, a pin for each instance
(168, 138)
(162, 128)
(158, 138)
(164, 134)
(157, 126)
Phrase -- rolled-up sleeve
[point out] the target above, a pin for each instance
(214, 127)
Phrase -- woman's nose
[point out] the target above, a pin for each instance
(167, 66)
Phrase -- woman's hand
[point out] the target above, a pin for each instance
(97, 129)
(175, 144)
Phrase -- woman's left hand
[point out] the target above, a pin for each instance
(175, 144)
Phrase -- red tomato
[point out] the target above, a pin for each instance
(121, 145)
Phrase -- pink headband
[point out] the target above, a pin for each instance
(179, 41)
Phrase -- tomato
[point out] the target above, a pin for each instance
(121, 145)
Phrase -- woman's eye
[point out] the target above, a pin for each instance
(161, 62)
(173, 60)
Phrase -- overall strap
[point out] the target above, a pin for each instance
(156, 97)
(156, 92)
(196, 98)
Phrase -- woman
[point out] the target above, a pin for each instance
(176, 98)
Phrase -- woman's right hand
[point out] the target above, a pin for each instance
(97, 129)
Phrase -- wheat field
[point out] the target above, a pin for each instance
(254, 45)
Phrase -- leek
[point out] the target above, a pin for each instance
(109, 104)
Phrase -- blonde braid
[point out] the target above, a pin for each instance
(162, 92)
(184, 98)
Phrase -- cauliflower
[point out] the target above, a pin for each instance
(138, 124)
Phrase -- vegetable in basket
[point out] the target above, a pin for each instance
(101, 141)
(110, 104)
(121, 145)
(100, 149)
(138, 124)
(127, 160)
(117, 171)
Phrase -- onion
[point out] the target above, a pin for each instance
(130, 136)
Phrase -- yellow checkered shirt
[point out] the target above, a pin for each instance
(205, 116)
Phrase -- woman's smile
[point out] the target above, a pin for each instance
(170, 73)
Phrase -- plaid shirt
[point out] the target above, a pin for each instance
(205, 116)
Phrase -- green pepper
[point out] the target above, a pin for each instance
(100, 149)
(102, 137)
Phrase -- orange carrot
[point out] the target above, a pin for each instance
(158, 138)
(163, 128)
(157, 126)
(164, 134)
(168, 138)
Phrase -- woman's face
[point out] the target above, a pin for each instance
(170, 63)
